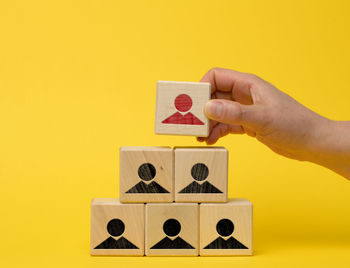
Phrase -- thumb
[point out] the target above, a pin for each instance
(234, 113)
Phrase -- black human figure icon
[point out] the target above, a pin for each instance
(116, 228)
(147, 172)
(200, 172)
(225, 228)
(172, 228)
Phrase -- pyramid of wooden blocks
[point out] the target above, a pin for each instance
(173, 202)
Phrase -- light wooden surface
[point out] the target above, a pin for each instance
(240, 212)
(131, 158)
(167, 91)
(158, 214)
(215, 158)
(103, 210)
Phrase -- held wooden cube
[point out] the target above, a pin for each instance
(180, 107)
(146, 174)
(117, 229)
(226, 229)
(201, 174)
(172, 229)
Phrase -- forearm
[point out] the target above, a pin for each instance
(332, 148)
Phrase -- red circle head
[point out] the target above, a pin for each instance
(183, 103)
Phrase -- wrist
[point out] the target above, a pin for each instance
(330, 145)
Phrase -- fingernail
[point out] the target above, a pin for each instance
(213, 109)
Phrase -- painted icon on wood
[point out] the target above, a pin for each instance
(200, 172)
(116, 228)
(225, 229)
(172, 228)
(147, 172)
(183, 103)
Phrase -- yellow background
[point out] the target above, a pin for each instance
(78, 80)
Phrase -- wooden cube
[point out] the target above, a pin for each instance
(201, 174)
(146, 174)
(172, 229)
(117, 229)
(180, 107)
(226, 229)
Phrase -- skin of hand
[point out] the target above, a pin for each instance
(244, 103)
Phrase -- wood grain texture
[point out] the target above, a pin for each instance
(157, 184)
(201, 174)
(238, 242)
(167, 91)
(179, 244)
(105, 241)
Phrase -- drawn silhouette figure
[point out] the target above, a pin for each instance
(200, 172)
(183, 103)
(225, 228)
(116, 228)
(147, 172)
(172, 228)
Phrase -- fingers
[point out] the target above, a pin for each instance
(234, 113)
(229, 84)
(249, 132)
(223, 95)
(225, 80)
(232, 104)
(201, 139)
(221, 130)
(212, 124)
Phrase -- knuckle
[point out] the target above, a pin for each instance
(253, 77)
(214, 69)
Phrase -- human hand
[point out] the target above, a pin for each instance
(244, 103)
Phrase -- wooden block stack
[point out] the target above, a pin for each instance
(173, 201)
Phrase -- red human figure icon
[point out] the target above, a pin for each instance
(183, 103)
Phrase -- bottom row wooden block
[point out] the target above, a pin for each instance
(173, 229)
